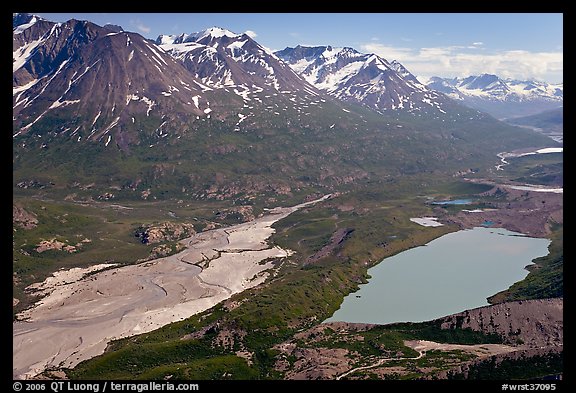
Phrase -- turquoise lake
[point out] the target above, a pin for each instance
(454, 202)
(453, 273)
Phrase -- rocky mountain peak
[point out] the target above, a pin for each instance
(56, 67)
(364, 78)
(221, 59)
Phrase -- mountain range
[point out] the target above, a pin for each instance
(368, 79)
(85, 94)
(223, 59)
(502, 98)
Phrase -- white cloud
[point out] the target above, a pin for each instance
(140, 26)
(451, 61)
(388, 52)
(251, 34)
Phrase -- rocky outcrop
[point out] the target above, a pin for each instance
(532, 331)
(339, 237)
(164, 232)
(23, 218)
(249, 188)
(531, 323)
(470, 369)
(530, 213)
(57, 245)
(319, 363)
(240, 213)
(164, 250)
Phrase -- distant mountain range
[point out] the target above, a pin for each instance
(179, 75)
(369, 79)
(91, 80)
(502, 98)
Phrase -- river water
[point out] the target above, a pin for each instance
(453, 273)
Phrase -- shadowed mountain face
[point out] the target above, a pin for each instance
(91, 82)
(549, 123)
(552, 120)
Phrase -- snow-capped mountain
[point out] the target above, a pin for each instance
(223, 59)
(365, 78)
(89, 82)
(219, 116)
(503, 98)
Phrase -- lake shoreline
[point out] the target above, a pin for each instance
(452, 273)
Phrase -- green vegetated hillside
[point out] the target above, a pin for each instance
(98, 231)
(271, 154)
(552, 120)
(381, 168)
(273, 160)
(545, 278)
(542, 169)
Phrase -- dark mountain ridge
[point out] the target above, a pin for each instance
(93, 83)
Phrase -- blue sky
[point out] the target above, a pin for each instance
(516, 45)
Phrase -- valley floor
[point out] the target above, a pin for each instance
(83, 313)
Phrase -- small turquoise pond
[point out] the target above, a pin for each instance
(454, 202)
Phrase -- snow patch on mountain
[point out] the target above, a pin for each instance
(20, 29)
(21, 55)
(365, 78)
(216, 32)
(59, 103)
(222, 59)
